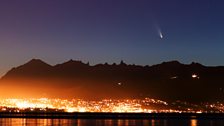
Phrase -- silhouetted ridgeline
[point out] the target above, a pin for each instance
(167, 81)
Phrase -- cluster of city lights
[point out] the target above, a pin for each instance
(146, 105)
(79, 105)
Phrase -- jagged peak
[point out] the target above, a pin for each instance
(172, 62)
(196, 64)
(71, 61)
(36, 62)
(168, 63)
(122, 63)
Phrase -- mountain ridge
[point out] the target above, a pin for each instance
(168, 80)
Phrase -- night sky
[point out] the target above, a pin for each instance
(136, 31)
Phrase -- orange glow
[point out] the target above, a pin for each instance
(194, 122)
(105, 105)
(78, 105)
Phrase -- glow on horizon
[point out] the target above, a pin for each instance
(78, 105)
(105, 105)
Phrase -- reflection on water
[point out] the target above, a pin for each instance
(108, 122)
(193, 122)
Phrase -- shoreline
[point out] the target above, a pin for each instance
(89, 115)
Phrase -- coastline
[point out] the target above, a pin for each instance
(88, 115)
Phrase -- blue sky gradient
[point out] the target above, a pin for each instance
(101, 31)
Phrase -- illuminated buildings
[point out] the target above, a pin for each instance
(146, 105)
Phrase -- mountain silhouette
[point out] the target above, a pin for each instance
(167, 81)
(34, 68)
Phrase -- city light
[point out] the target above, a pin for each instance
(146, 105)
(79, 105)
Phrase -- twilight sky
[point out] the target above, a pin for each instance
(101, 31)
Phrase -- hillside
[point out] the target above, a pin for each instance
(168, 81)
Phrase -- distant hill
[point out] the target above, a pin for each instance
(75, 79)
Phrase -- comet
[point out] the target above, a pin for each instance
(161, 35)
(159, 31)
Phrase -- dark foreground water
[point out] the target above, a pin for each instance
(108, 122)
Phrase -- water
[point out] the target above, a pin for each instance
(107, 122)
